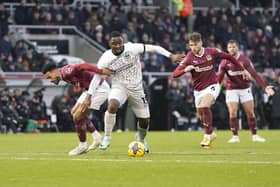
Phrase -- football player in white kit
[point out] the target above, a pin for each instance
(124, 60)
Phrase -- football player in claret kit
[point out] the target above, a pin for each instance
(124, 60)
(238, 89)
(81, 75)
(200, 62)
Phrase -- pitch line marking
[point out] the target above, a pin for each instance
(144, 160)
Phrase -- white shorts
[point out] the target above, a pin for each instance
(213, 89)
(233, 96)
(97, 98)
(136, 99)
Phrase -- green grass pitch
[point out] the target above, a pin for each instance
(176, 159)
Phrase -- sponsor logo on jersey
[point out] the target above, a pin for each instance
(208, 57)
(126, 55)
(206, 68)
(234, 73)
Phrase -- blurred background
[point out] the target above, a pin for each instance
(70, 32)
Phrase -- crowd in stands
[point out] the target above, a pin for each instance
(21, 112)
(257, 32)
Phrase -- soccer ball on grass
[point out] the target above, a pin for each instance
(136, 149)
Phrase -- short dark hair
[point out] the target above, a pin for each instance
(195, 37)
(233, 42)
(115, 34)
(48, 67)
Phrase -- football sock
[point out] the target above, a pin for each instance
(233, 123)
(90, 127)
(142, 134)
(252, 124)
(207, 120)
(109, 120)
(81, 130)
(82, 144)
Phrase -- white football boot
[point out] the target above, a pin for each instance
(234, 139)
(257, 138)
(80, 149)
(105, 143)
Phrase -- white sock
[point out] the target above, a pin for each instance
(109, 120)
(142, 134)
(95, 135)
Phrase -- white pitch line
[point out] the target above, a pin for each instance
(148, 161)
(154, 152)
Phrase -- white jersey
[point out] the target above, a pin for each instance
(127, 65)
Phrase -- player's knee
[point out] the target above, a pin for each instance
(250, 114)
(233, 114)
(76, 116)
(113, 106)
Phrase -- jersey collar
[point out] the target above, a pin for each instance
(201, 53)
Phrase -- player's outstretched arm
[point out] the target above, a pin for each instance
(268, 88)
(92, 88)
(90, 67)
(221, 72)
(160, 50)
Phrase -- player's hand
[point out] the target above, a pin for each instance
(246, 75)
(176, 57)
(269, 90)
(108, 72)
(86, 103)
(188, 68)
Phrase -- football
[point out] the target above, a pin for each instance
(136, 149)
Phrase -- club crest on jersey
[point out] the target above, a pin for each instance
(126, 55)
(69, 70)
(208, 57)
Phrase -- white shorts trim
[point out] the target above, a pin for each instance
(213, 89)
(236, 95)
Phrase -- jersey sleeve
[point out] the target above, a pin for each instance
(141, 48)
(102, 63)
(221, 72)
(220, 54)
(87, 67)
(250, 68)
(104, 60)
(137, 48)
(157, 49)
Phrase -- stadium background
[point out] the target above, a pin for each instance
(34, 32)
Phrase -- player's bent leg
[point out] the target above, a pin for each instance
(206, 119)
(79, 113)
(248, 107)
(142, 130)
(81, 132)
(109, 120)
(96, 136)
